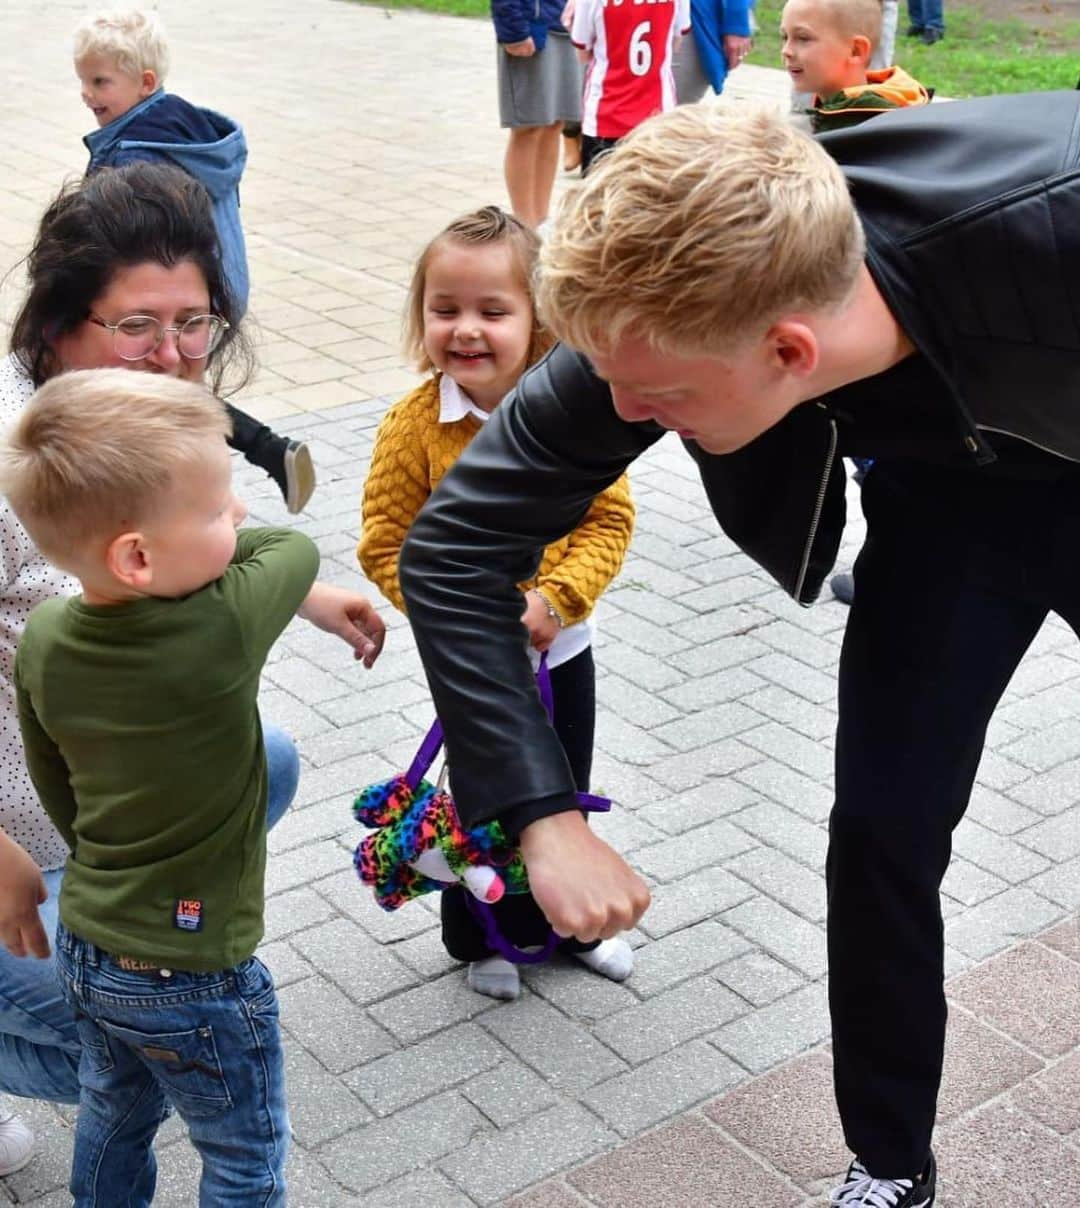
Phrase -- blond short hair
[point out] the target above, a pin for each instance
(134, 40)
(854, 18)
(97, 451)
(488, 225)
(697, 232)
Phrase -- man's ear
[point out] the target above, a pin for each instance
(861, 48)
(128, 561)
(793, 347)
(148, 83)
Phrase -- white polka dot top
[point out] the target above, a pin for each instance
(25, 580)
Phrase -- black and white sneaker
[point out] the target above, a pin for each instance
(860, 1190)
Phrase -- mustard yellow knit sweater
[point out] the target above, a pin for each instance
(413, 451)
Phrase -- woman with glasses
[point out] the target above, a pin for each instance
(125, 271)
(93, 300)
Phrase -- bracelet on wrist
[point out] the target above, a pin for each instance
(552, 611)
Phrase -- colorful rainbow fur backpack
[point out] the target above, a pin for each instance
(419, 846)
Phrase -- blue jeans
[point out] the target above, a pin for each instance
(39, 1045)
(927, 14)
(206, 1043)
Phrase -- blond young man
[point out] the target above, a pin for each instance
(780, 303)
(137, 705)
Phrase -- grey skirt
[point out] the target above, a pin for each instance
(543, 88)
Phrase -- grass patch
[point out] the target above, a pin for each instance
(977, 56)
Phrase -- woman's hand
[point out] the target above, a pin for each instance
(536, 618)
(22, 891)
(348, 614)
(520, 49)
(736, 49)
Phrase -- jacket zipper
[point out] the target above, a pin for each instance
(819, 504)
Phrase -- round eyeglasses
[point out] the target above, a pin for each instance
(138, 336)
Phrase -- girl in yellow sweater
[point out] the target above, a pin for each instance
(471, 322)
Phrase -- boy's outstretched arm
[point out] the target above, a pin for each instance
(348, 614)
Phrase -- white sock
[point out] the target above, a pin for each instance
(495, 977)
(610, 958)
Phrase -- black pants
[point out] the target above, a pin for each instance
(591, 147)
(958, 572)
(521, 921)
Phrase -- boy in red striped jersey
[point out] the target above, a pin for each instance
(628, 47)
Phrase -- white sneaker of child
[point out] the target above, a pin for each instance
(610, 958)
(495, 977)
(16, 1143)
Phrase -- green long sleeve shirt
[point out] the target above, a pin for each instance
(143, 741)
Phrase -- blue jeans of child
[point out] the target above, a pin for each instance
(206, 1043)
(39, 1047)
(927, 14)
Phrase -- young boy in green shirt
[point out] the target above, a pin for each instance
(137, 703)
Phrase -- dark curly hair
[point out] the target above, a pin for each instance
(118, 217)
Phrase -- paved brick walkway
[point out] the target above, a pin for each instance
(702, 1080)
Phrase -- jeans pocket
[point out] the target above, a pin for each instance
(186, 1065)
(97, 1058)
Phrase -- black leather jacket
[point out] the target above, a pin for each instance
(972, 217)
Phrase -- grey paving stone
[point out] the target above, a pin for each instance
(717, 721)
(1056, 838)
(658, 1089)
(811, 758)
(426, 953)
(761, 1039)
(302, 865)
(998, 812)
(668, 1020)
(789, 788)
(706, 845)
(509, 1093)
(713, 657)
(320, 1107)
(632, 744)
(303, 679)
(815, 721)
(758, 977)
(639, 601)
(1061, 884)
(999, 921)
(701, 895)
(771, 926)
(430, 1006)
(731, 683)
(734, 620)
(789, 673)
(426, 1068)
(696, 806)
(785, 830)
(302, 825)
(634, 704)
(729, 591)
(375, 1154)
(344, 954)
(299, 720)
(692, 768)
(370, 734)
(400, 694)
(1004, 857)
(558, 1048)
(684, 954)
(576, 991)
(293, 911)
(497, 1165)
(284, 962)
(970, 884)
(349, 896)
(781, 878)
(626, 832)
(997, 772)
(330, 1026)
(426, 1187)
(1047, 747)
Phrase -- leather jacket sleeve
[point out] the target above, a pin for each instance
(527, 479)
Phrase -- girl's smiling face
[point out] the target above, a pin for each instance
(478, 318)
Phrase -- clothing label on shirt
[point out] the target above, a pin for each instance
(188, 915)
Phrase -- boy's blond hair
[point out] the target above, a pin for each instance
(97, 451)
(488, 225)
(854, 18)
(132, 39)
(697, 232)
